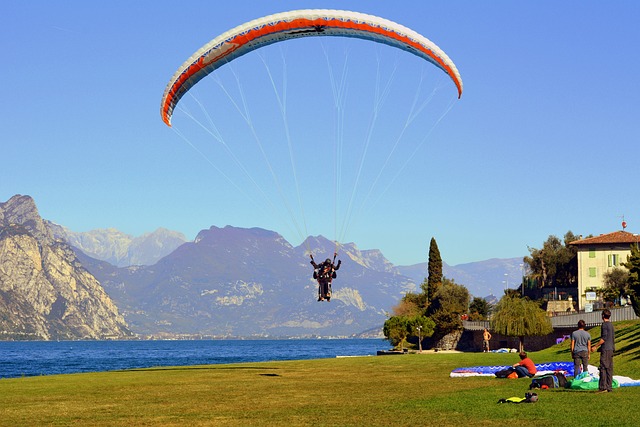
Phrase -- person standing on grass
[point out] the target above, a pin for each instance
(486, 336)
(606, 346)
(580, 348)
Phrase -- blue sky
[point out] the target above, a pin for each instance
(544, 140)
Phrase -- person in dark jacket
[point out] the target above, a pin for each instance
(606, 346)
(324, 273)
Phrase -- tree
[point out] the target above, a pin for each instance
(396, 330)
(556, 264)
(410, 305)
(434, 269)
(442, 301)
(633, 280)
(421, 327)
(479, 309)
(615, 284)
(449, 303)
(519, 317)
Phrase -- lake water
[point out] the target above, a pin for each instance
(28, 358)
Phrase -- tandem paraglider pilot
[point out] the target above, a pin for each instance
(324, 273)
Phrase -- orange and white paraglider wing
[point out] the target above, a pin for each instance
(295, 24)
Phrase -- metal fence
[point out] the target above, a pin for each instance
(594, 318)
(569, 320)
(475, 325)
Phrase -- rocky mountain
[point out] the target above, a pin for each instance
(242, 282)
(122, 249)
(45, 293)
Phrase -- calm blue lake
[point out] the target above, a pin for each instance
(28, 358)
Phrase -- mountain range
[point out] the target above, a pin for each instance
(121, 249)
(482, 278)
(235, 281)
(250, 282)
(244, 282)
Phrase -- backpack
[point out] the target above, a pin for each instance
(554, 380)
(504, 373)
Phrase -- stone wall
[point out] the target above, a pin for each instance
(449, 342)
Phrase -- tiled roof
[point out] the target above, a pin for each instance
(615, 237)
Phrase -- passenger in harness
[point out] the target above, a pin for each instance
(324, 273)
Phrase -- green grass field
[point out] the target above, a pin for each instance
(361, 391)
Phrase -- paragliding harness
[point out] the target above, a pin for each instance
(324, 273)
(553, 380)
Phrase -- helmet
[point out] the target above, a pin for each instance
(531, 397)
(327, 261)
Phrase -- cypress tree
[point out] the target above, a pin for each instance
(434, 280)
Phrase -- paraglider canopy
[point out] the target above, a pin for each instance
(295, 24)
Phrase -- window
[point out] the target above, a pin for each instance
(614, 260)
(592, 272)
(592, 253)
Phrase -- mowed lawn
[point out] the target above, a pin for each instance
(359, 391)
